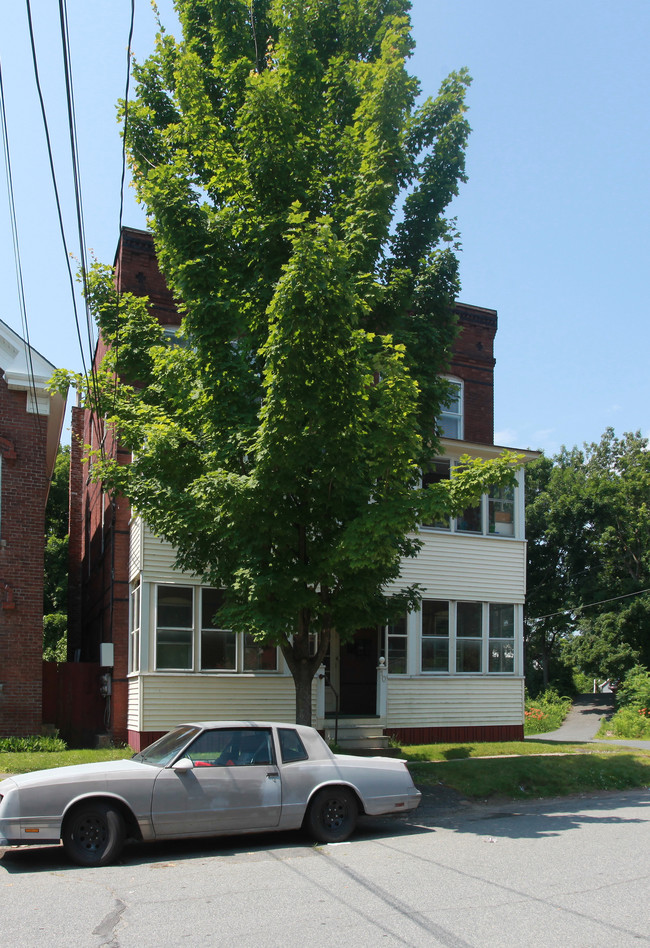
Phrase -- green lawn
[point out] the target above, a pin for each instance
(512, 770)
(24, 762)
(537, 769)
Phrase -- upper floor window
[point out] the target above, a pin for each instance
(495, 514)
(451, 416)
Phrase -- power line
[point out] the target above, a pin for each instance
(55, 186)
(16, 245)
(601, 602)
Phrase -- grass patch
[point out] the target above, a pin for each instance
(442, 752)
(533, 777)
(23, 762)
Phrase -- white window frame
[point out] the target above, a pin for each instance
(485, 640)
(204, 627)
(455, 417)
(135, 614)
(191, 628)
(241, 642)
(515, 502)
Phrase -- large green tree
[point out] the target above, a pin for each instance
(279, 445)
(588, 529)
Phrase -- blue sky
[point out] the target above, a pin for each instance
(554, 219)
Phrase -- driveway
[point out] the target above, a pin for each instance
(583, 721)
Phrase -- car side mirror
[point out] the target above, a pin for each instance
(183, 765)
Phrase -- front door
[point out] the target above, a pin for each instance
(358, 673)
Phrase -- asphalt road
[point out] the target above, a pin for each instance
(571, 872)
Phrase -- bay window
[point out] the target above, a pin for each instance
(187, 619)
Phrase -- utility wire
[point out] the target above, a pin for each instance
(74, 151)
(122, 182)
(16, 245)
(57, 199)
(601, 602)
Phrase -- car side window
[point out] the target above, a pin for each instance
(232, 747)
(291, 747)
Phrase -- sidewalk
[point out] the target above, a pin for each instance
(583, 721)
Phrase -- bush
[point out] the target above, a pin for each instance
(635, 690)
(545, 713)
(16, 745)
(631, 723)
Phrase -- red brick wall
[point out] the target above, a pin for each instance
(22, 526)
(98, 599)
(473, 362)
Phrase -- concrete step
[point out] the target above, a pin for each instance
(362, 739)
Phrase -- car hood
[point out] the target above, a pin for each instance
(76, 772)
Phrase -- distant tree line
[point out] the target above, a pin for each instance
(588, 529)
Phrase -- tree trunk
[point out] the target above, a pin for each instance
(303, 667)
(303, 677)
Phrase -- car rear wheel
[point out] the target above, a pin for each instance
(93, 834)
(332, 814)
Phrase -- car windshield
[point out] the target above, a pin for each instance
(166, 748)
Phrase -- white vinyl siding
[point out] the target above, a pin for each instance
(483, 569)
(167, 700)
(455, 701)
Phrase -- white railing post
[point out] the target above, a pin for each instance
(382, 689)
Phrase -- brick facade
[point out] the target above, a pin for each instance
(30, 425)
(473, 362)
(98, 599)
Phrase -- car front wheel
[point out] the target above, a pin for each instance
(93, 834)
(332, 814)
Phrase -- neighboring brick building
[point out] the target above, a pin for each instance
(452, 671)
(31, 420)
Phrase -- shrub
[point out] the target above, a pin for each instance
(546, 712)
(50, 745)
(635, 690)
(631, 723)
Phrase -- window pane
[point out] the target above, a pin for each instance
(501, 511)
(502, 655)
(435, 617)
(502, 620)
(218, 649)
(450, 420)
(291, 747)
(211, 602)
(438, 471)
(397, 655)
(174, 648)
(470, 520)
(449, 426)
(225, 747)
(468, 655)
(468, 619)
(259, 657)
(435, 654)
(175, 606)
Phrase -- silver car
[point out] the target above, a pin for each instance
(205, 779)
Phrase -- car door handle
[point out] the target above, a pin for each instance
(273, 774)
